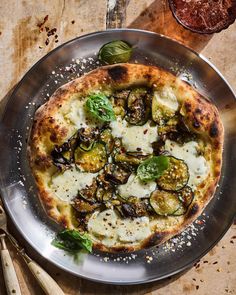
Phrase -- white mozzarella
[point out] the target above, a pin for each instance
(66, 185)
(135, 137)
(167, 98)
(133, 230)
(198, 166)
(135, 187)
(110, 229)
(79, 117)
(77, 114)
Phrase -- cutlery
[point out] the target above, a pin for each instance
(47, 283)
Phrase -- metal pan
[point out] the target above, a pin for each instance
(17, 186)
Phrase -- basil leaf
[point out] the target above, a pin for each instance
(152, 168)
(115, 52)
(100, 107)
(72, 241)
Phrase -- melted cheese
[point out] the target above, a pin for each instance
(110, 229)
(77, 114)
(198, 166)
(79, 117)
(167, 98)
(66, 185)
(135, 137)
(135, 187)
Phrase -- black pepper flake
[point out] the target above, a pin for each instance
(47, 42)
(145, 131)
(205, 261)
(215, 262)
(72, 22)
(138, 149)
(233, 237)
(56, 41)
(197, 287)
(232, 242)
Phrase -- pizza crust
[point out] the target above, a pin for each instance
(52, 127)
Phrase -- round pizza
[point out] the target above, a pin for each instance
(128, 154)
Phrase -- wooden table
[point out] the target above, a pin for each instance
(22, 44)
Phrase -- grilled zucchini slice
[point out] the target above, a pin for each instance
(175, 177)
(138, 106)
(93, 160)
(107, 138)
(131, 159)
(165, 203)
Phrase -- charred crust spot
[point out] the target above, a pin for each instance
(197, 111)
(155, 239)
(53, 137)
(217, 173)
(148, 76)
(214, 131)
(193, 211)
(117, 73)
(43, 162)
(195, 123)
(187, 107)
(51, 120)
(122, 249)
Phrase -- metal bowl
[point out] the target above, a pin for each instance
(17, 185)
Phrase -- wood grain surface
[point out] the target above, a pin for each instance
(22, 43)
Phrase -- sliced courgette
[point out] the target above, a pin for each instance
(89, 193)
(119, 101)
(83, 206)
(103, 195)
(107, 138)
(175, 177)
(93, 160)
(133, 160)
(165, 203)
(138, 106)
(87, 137)
(117, 173)
(186, 196)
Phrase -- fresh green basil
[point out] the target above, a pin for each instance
(115, 52)
(72, 241)
(152, 168)
(100, 107)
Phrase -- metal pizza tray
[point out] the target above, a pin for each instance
(67, 62)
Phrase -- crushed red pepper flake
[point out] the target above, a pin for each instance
(43, 22)
(51, 32)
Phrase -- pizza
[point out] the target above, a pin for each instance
(128, 154)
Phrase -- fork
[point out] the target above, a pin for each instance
(46, 282)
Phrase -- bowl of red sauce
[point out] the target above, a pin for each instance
(204, 16)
